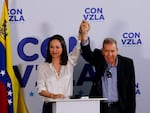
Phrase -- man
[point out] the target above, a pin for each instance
(114, 74)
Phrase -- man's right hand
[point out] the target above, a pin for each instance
(83, 30)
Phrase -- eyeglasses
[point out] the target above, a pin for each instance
(108, 74)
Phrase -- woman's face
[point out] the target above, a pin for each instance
(55, 48)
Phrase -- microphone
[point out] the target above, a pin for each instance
(108, 74)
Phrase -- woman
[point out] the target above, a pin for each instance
(55, 75)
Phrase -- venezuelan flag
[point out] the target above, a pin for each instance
(11, 97)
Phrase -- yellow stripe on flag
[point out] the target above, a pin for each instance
(18, 100)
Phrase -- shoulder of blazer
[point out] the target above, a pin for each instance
(98, 54)
(99, 60)
(125, 60)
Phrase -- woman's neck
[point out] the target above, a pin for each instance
(57, 65)
(55, 61)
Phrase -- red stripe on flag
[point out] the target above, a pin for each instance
(3, 99)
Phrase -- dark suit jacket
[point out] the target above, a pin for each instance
(125, 78)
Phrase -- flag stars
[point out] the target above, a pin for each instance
(8, 85)
(10, 93)
(9, 101)
(2, 72)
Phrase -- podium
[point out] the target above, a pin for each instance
(82, 105)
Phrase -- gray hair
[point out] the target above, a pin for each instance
(109, 40)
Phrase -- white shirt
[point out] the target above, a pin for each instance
(49, 80)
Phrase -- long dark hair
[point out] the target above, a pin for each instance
(64, 56)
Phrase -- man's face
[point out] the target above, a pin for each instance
(110, 52)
